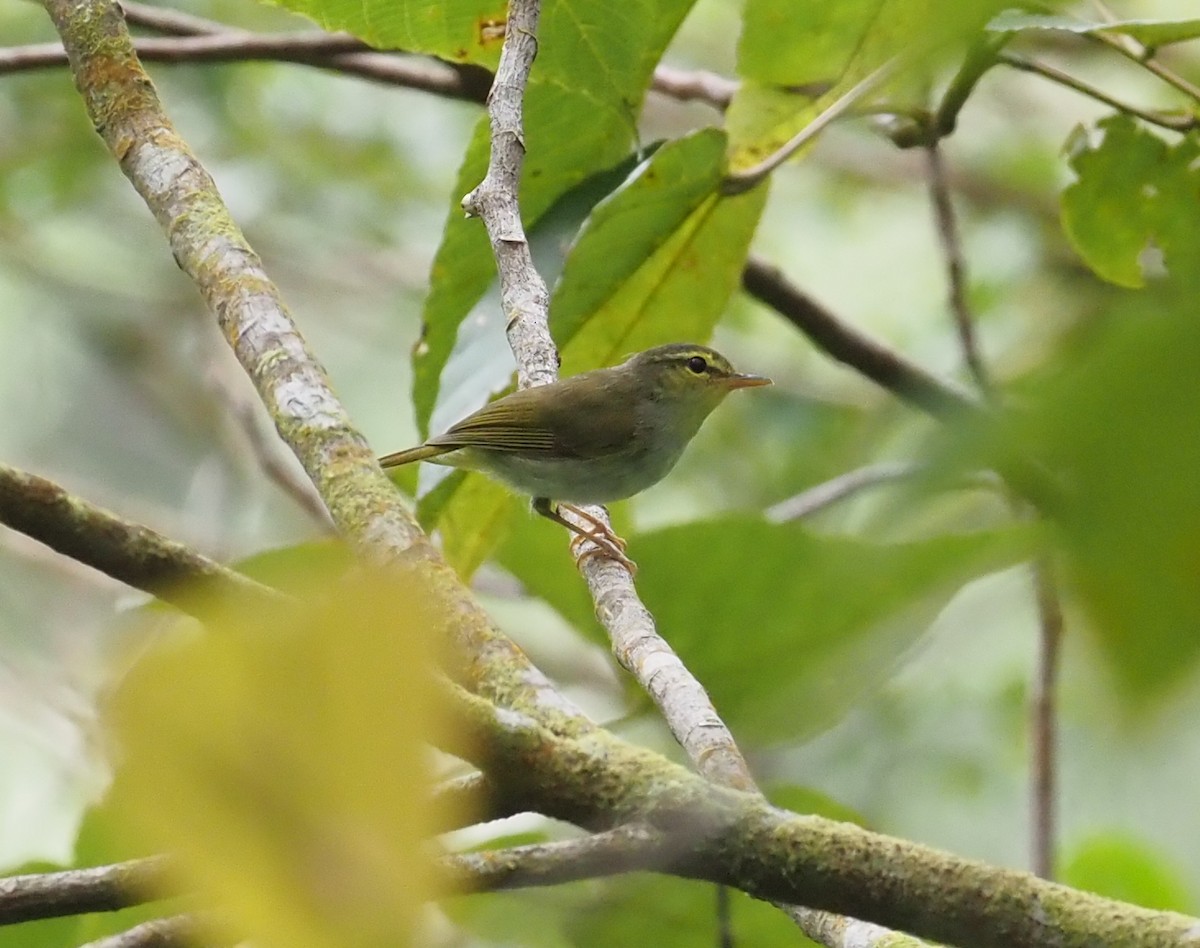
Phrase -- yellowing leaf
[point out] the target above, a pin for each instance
(282, 757)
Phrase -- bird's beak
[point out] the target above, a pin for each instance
(747, 381)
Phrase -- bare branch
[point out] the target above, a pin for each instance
(623, 849)
(836, 489)
(956, 268)
(127, 551)
(77, 891)
(1043, 722)
(741, 181)
(175, 931)
(1176, 123)
(849, 345)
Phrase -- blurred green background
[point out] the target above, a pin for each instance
(117, 384)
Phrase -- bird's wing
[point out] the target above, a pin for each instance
(570, 421)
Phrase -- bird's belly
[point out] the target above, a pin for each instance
(585, 481)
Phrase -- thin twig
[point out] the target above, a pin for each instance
(626, 848)
(847, 344)
(266, 449)
(832, 491)
(748, 178)
(1141, 54)
(1043, 724)
(27, 898)
(130, 552)
(956, 269)
(1175, 123)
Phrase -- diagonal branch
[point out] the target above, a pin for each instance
(682, 699)
(127, 551)
(210, 248)
(76, 891)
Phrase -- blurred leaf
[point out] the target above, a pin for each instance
(1150, 32)
(581, 109)
(281, 756)
(1118, 430)
(297, 569)
(656, 261)
(458, 30)
(631, 910)
(810, 802)
(799, 56)
(786, 628)
(1134, 191)
(1127, 869)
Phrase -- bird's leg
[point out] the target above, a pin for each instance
(600, 534)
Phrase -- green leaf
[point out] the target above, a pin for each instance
(1133, 191)
(799, 56)
(581, 110)
(1127, 869)
(786, 628)
(1149, 32)
(633, 910)
(1117, 433)
(280, 756)
(457, 30)
(658, 260)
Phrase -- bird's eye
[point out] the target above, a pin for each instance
(697, 365)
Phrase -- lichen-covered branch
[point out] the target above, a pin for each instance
(210, 248)
(126, 551)
(737, 838)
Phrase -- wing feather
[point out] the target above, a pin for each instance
(578, 417)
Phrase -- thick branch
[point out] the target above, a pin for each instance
(129, 552)
(209, 247)
(739, 839)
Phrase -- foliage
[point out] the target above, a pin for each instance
(812, 639)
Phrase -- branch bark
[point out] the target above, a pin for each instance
(129, 552)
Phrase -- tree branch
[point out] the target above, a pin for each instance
(737, 838)
(126, 551)
(851, 346)
(210, 248)
(175, 931)
(77, 891)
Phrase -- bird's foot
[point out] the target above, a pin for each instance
(605, 542)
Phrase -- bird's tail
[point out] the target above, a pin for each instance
(422, 452)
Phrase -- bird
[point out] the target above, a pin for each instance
(592, 438)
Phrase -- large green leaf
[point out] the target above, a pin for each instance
(1134, 191)
(798, 56)
(1118, 430)
(658, 260)
(786, 628)
(1119, 867)
(581, 109)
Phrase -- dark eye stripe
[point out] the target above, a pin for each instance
(697, 364)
